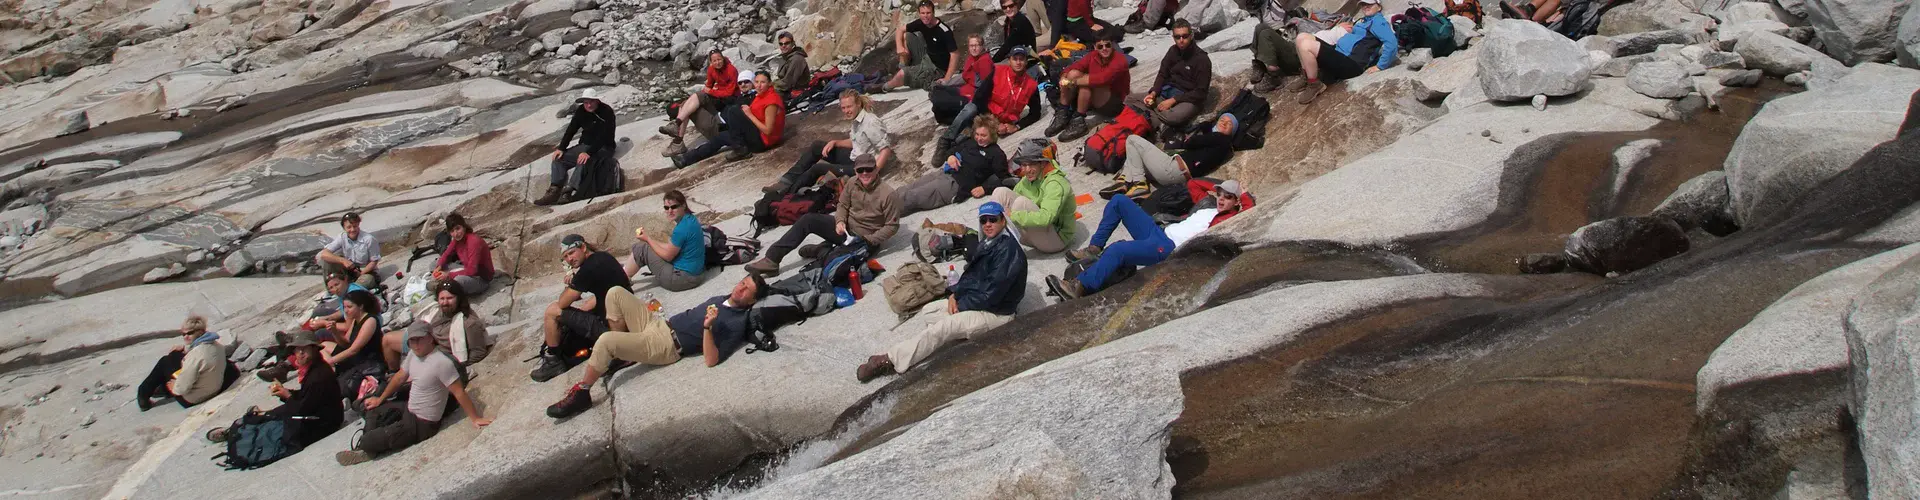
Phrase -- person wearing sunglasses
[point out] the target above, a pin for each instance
(931, 57)
(679, 262)
(1098, 83)
(1182, 85)
(1015, 30)
(752, 128)
(1150, 244)
(1040, 207)
(796, 74)
(987, 296)
(868, 214)
(578, 317)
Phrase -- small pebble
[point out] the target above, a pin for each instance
(1486, 133)
(1540, 102)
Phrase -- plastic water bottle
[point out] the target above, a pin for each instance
(953, 277)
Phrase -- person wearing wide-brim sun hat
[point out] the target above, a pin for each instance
(594, 121)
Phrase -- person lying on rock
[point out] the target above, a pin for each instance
(703, 106)
(355, 354)
(1097, 83)
(868, 213)
(1016, 31)
(393, 426)
(467, 262)
(796, 74)
(1371, 46)
(1001, 95)
(326, 314)
(451, 314)
(752, 128)
(576, 319)
(1276, 60)
(1182, 85)
(987, 296)
(1150, 244)
(1147, 166)
(925, 59)
(679, 263)
(1040, 207)
(313, 411)
(192, 372)
(594, 121)
(955, 105)
(974, 170)
(712, 330)
(353, 252)
(869, 136)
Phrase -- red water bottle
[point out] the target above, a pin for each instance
(853, 283)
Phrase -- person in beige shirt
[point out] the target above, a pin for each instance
(191, 373)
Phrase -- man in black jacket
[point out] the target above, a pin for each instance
(594, 121)
(974, 169)
(986, 297)
(1185, 78)
(1015, 30)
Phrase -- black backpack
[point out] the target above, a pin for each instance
(257, 439)
(601, 176)
(723, 250)
(827, 272)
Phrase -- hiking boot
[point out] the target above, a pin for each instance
(1119, 185)
(550, 366)
(278, 373)
(578, 399)
(1089, 253)
(352, 457)
(738, 155)
(144, 403)
(812, 251)
(1522, 11)
(874, 88)
(763, 267)
(553, 196)
(671, 129)
(675, 148)
(1075, 130)
(677, 162)
(776, 188)
(1067, 289)
(218, 435)
(1310, 91)
(1139, 190)
(1263, 81)
(942, 150)
(1135, 28)
(877, 366)
(615, 367)
(1295, 83)
(1061, 117)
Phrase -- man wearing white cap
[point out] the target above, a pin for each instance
(594, 121)
(1151, 243)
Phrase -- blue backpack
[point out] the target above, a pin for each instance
(255, 440)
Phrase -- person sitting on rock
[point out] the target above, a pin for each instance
(1097, 83)
(1276, 60)
(1539, 11)
(1150, 244)
(869, 136)
(926, 59)
(987, 296)
(594, 121)
(354, 252)
(1076, 20)
(1016, 31)
(1371, 46)
(956, 105)
(1040, 207)
(312, 412)
(1469, 9)
(679, 263)
(751, 128)
(796, 74)
(712, 330)
(327, 313)
(868, 213)
(1183, 83)
(974, 170)
(1001, 95)
(356, 351)
(467, 261)
(705, 103)
(1151, 14)
(393, 426)
(451, 311)
(192, 372)
(1147, 167)
(568, 322)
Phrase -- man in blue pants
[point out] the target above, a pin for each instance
(1150, 244)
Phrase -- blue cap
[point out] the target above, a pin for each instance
(992, 208)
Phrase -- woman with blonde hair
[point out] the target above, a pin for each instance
(972, 171)
(192, 372)
(869, 137)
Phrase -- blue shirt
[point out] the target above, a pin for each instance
(692, 242)
(340, 303)
(1381, 28)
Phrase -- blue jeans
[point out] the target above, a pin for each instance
(1148, 247)
(740, 134)
(962, 123)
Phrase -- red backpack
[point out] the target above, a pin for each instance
(1106, 149)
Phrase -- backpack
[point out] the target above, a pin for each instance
(1106, 149)
(780, 310)
(829, 271)
(943, 242)
(255, 440)
(599, 177)
(915, 285)
(782, 209)
(1254, 112)
(1423, 27)
(723, 250)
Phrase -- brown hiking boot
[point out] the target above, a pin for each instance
(763, 267)
(877, 366)
(671, 129)
(1067, 289)
(1310, 91)
(675, 148)
(352, 457)
(775, 188)
(554, 193)
(1295, 83)
(1089, 252)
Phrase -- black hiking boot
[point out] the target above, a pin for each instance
(1136, 27)
(1119, 185)
(550, 366)
(738, 155)
(554, 193)
(812, 251)
(1076, 130)
(1061, 117)
(276, 373)
(578, 399)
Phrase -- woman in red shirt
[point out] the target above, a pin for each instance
(474, 258)
(722, 88)
(757, 126)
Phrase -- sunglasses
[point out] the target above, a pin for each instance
(864, 170)
(1007, 6)
(1104, 46)
(670, 208)
(989, 219)
(1188, 36)
(786, 43)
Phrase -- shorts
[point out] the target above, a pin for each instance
(1335, 66)
(579, 329)
(923, 75)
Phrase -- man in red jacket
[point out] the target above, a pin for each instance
(1097, 82)
(721, 89)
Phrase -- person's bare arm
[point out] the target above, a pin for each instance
(459, 391)
(399, 378)
(765, 122)
(359, 342)
(664, 249)
(882, 157)
(707, 348)
(953, 63)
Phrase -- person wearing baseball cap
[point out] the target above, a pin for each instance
(594, 121)
(1325, 63)
(987, 296)
(396, 425)
(1000, 91)
(1040, 207)
(1151, 243)
(569, 325)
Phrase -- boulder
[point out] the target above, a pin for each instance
(280, 29)
(1211, 15)
(1451, 74)
(560, 67)
(117, 264)
(1650, 15)
(237, 263)
(586, 18)
(71, 123)
(542, 7)
(1236, 37)
(1615, 92)
(1883, 335)
(1521, 59)
(1659, 79)
(164, 273)
(1467, 94)
(1777, 55)
(1733, 31)
(1624, 244)
(1643, 43)
(1464, 30)
(1857, 31)
(1800, 140)
(1721, 60)
(1737, 77)
(1543, 263)
(1418, 58)
(556, 37)
(1907, 38)
(1621, 66)
(434, 50)
(1702, 202)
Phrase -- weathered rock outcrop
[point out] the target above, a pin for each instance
(1702, 202)
(1625, 244)
(1522, 59)
(1797, 141)
(1857, 31)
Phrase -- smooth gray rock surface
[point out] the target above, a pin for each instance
(1857, 31)
(1521, 59)
(1659, 79)
(1777, 55)
(1701, 202)
(1907, 38)
(1882, 340)
(1797, 141)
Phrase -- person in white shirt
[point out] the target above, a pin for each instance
(397, 425)
(353, 252)
(868, 137)
(1151, 243)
